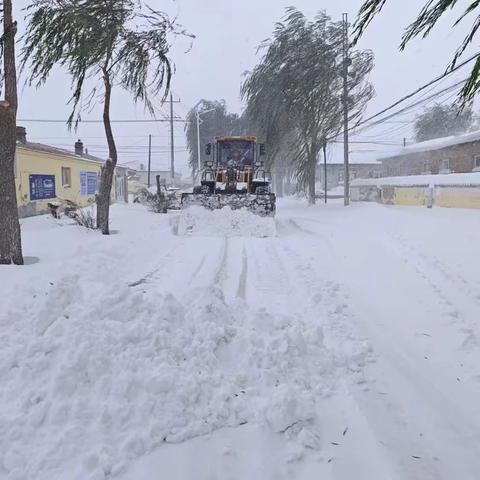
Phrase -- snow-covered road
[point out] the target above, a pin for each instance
(345, 346)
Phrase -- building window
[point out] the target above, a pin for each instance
(476, 161)
(445, 166)
(66, 177)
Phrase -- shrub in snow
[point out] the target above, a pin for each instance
(84, 217)
(157, 203)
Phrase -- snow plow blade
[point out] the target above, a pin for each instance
(263, 205)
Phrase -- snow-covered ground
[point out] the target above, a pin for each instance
(340, 344)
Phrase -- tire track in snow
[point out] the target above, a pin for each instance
(197, 270)
(220, 273)
(160, 266)
(328, 294)
(450, 288)
(269, 285)
(402, 402)
(242, 281)
(326, 301)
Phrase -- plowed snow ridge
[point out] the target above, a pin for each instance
(199, 221)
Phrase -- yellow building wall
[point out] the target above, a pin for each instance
(414, 196)
(458, 197)
(30, 162)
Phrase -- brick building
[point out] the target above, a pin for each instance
(459, 154)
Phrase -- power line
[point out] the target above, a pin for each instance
(38, 120)
(405, 109)
(420, 89)
(393, 144)
(410, 95)
(73, 137)
(130, 147)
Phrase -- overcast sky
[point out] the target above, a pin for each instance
(227, 35)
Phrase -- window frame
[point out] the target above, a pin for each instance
(67, 184)
(476, 158)
(445, 170)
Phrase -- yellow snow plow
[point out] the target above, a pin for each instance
(234, 177)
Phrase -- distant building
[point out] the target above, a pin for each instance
(336, 172)
(141, 177)
(45, 174)
(459, 154)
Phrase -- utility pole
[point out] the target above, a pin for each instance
(149, 159)
(199, 164)
(346, 61)
(172, 142)
(404, 142)
(325, 181)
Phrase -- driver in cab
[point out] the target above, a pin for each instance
(236, 159)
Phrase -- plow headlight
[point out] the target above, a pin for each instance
(208, 163)
(259, 163)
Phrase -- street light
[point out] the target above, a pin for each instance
(198, 115)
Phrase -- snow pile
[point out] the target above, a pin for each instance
(451, 179)
(200, 221)
(89, 383)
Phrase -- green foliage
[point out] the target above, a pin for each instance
(215, 120)
(117, 40)
(426, 20)
(295, 94)
(442, 121)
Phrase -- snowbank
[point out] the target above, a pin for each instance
(200, 221)
(452, 179)
(88, 386)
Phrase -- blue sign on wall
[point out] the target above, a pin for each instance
(88, 183)
(42, 187)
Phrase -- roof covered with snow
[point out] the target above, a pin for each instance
(435, 144)
(41, 147)
(453, 179)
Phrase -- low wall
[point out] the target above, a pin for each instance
(457, 197)
(413, 196)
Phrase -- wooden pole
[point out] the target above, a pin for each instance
(345, 112)
(325, 180)
(149, 159)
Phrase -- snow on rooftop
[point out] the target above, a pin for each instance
(454, 179)
(435, 144)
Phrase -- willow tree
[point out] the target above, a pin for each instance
(296, 91)
(427, 19)
(215, 120)
(443, 120)
(10, 237)
(114, 42)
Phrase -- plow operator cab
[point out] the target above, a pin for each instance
(235, 176)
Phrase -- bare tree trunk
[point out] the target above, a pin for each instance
(312, 171)
(288, 181)
(108, 170)
(279, 179)
(10, 235)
